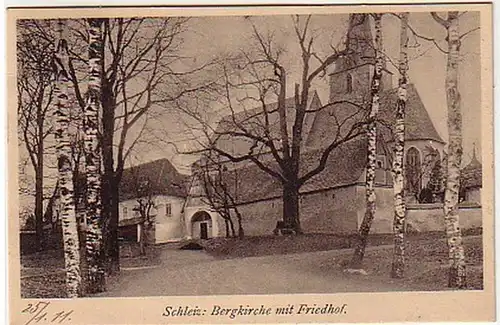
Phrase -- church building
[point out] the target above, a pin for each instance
(334, 200)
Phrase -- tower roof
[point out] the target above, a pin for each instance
(359, 43)
(472, 174)
(474, 163)
(359, 40)
(418, 124)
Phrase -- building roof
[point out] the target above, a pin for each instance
(254, 119)
(341, 169)
(346, 163)
(472, 174)
(418, 125)
(161, 177)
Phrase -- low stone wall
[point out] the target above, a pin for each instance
(419, 217)
(429, 217)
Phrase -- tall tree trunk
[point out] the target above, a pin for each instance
(113, 249)
(241, 232)
(398, 262)
(457, 275)
(371, 164)
(65, 170)
(94, 238)
(142, 239)
(231, 226)
(39, 198)
(49, 211)
(226, 221)
(291, 206)
(109, 210)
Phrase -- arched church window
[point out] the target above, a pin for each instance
(348, 88)
(413, 171)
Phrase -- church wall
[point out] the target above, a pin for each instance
(429, 217)
(419, 217)
(331, 211)
(384, 214)
(259, 218)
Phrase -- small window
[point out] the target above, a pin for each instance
(348, 88)
(168, 210)
(125, 212)
(413, 171)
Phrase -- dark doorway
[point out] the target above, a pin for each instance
(201, 225)
(203, 230)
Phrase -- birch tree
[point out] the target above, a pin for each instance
(142, 67)
(398, 262)
(65, 171)
(372, 148)
(456, 255)
(94, 239)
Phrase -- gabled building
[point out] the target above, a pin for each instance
(159, 184)
(334, 200)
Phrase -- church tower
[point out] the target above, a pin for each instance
(352, 75)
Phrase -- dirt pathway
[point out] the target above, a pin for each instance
(196, 273)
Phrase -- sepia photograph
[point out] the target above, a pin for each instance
(236, 154)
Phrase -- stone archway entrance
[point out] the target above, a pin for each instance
(201, 225)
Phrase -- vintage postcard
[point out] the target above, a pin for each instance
(251, 164)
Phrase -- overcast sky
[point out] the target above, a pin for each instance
(212, 36)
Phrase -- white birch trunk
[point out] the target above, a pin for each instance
(65, 169)
(372, 149)
(94, 239)
(457, 272)
(398, 263)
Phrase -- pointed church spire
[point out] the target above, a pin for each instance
(474, 161)
(359, 41)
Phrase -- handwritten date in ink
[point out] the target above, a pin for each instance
(39, 313)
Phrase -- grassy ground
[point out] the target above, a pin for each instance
(426, 254)
(272, 245)
(426, 263)
(42, 273)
